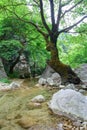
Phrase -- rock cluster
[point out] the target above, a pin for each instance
(69, 101)
(50, 77)
(6, 86)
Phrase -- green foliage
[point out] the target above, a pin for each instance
(73, 49)
(9, 49)
(13, 28)
(38, 55)
(5, 80)
(14, 75)
(82, 29)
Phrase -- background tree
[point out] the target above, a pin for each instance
(17, 37)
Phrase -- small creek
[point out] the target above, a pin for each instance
(17, 112)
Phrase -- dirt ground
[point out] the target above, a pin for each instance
(17, 112)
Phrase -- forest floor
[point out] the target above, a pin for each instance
(17, 112)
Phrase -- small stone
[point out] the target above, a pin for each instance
(37, 104)
(77, 123)
(81, 128)
(70, 86)
(37, 85)
(81, 91)
(84, 124)
(60, 126)
(50, 81)
(42, 81)
(84, 86)
(33, 105)
(14, 85)
(26, 122)
(38, 99)
(61, 86)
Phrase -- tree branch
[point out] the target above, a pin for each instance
(75, 24)
(52, 13)
(42, 16)
(71, 8)
(59, 14)
(38, 29)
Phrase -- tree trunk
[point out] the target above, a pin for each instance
(65, 71)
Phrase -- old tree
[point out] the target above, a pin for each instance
(59, 11)
(55, 17)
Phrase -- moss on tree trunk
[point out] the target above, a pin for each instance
(65, 71)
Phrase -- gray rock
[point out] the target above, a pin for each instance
(84, 86)
(14, 85)
(62, 86)
(2, 71)
(84, 124)
(70, 86)
(50, 81)
(60, 126)
(22, 67)
(77, 123)
(42, 81)
(56, 79)
(4, 86)
(82, 73)
(69, 102)
(50, 77)
(47, 72)
(82, 91)
(38, 98)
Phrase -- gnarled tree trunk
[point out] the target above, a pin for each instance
(65, 71)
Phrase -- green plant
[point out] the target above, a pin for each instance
(5, 80)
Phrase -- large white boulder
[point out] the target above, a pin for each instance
(69, 102)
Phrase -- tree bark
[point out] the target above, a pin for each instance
(65, 71)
